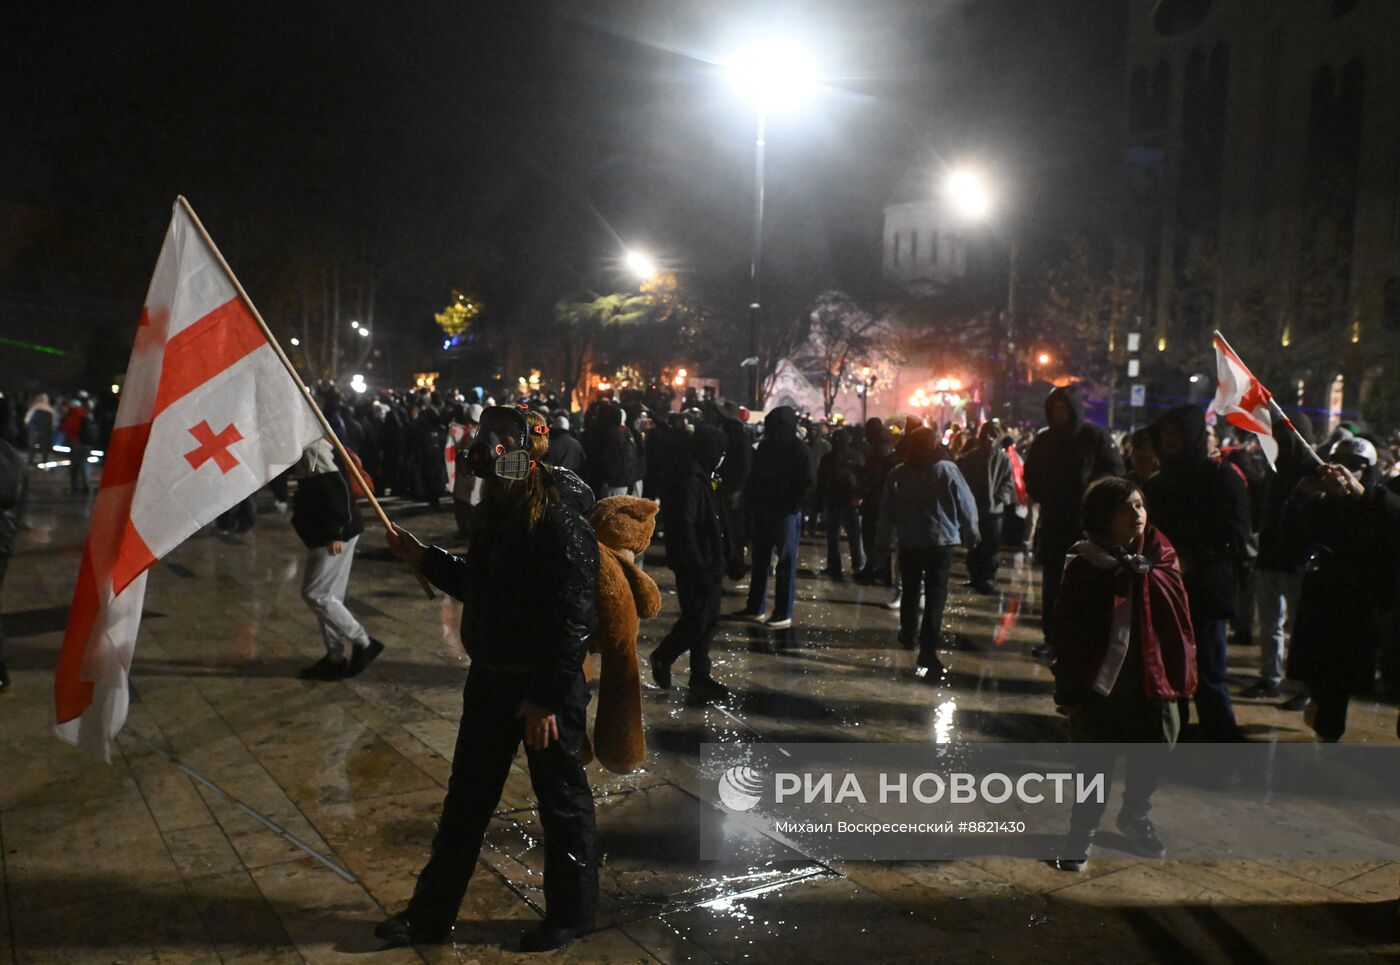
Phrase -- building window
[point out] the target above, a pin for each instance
(896, 249)
(913, 247)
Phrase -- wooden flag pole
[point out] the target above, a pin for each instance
(345, 459)
(1276, 410)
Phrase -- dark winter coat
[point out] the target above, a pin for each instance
(838, 475)
(690, 512)
(529, 595)
(564, 451)
(1348, 584)
(782, 467)
(323, 512)
(987, 469)
(738, 457)
(1282, 547)
(1201, 506)
(1061, 464)
(14, 493)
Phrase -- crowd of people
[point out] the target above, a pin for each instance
(1154, 548)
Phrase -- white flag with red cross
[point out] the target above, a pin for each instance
(1242, 399)
(208, 415)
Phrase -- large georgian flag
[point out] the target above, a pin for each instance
(208, 415)
(1242, 399)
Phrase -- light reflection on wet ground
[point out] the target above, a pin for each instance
(357, 769)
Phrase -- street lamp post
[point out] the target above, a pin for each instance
(773, 73)
(756, 259)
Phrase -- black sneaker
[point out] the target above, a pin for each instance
(1296, 702)
(325, 669)
(1261, 691)
(401, 930)
(932, 674)
(1143, 835)
(1042, 650)
(546, 938)
(1077, 854)
(660, 672)
(363, 657)
(708, 688)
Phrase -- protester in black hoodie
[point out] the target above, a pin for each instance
(695, 553)
(1063, 460)
(738, 463)
(1202, 507)
(838, 486)
(778, 485)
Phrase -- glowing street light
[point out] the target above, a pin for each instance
(1043, 358)
(639, 265)
(967, 189)
(357, 383)
(296, 342)
(774, 72)
(364, 332)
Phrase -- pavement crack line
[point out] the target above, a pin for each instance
(256, 815)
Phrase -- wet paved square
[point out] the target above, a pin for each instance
(139, 862)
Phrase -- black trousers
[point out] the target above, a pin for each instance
(734, 528)
(843, 517)
(700, 603)
(924, 569)
(486, 744)
(1052, 561)
(984, 558)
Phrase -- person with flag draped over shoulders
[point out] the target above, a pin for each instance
(529, 586)
(1124, 655)
(1350, 522)
(1202, 507)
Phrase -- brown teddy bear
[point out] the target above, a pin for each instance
(626, 596)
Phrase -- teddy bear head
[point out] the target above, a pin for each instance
(624, 522)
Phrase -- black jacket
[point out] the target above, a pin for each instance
(1061, 464)
(322, 510)
(690, 512)
(1347, 587)
(564, 451)
(1282, 547)
(738, 457)
(839, 474)
(529, 595)
(1201, 506)
(987, 469)
(14, 492)
(782, 467)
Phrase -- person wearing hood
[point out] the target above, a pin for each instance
(327, 518)
(1350, 522)
(987, 469)
(695, 553)
(564, 450)
(777, 489)
(1202, 507)
(39, 421)
(929, 508)
(1063, 460)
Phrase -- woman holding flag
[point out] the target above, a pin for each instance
(528, 585)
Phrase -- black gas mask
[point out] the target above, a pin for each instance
(502, 446)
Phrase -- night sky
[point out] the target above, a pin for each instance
(516, 148)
